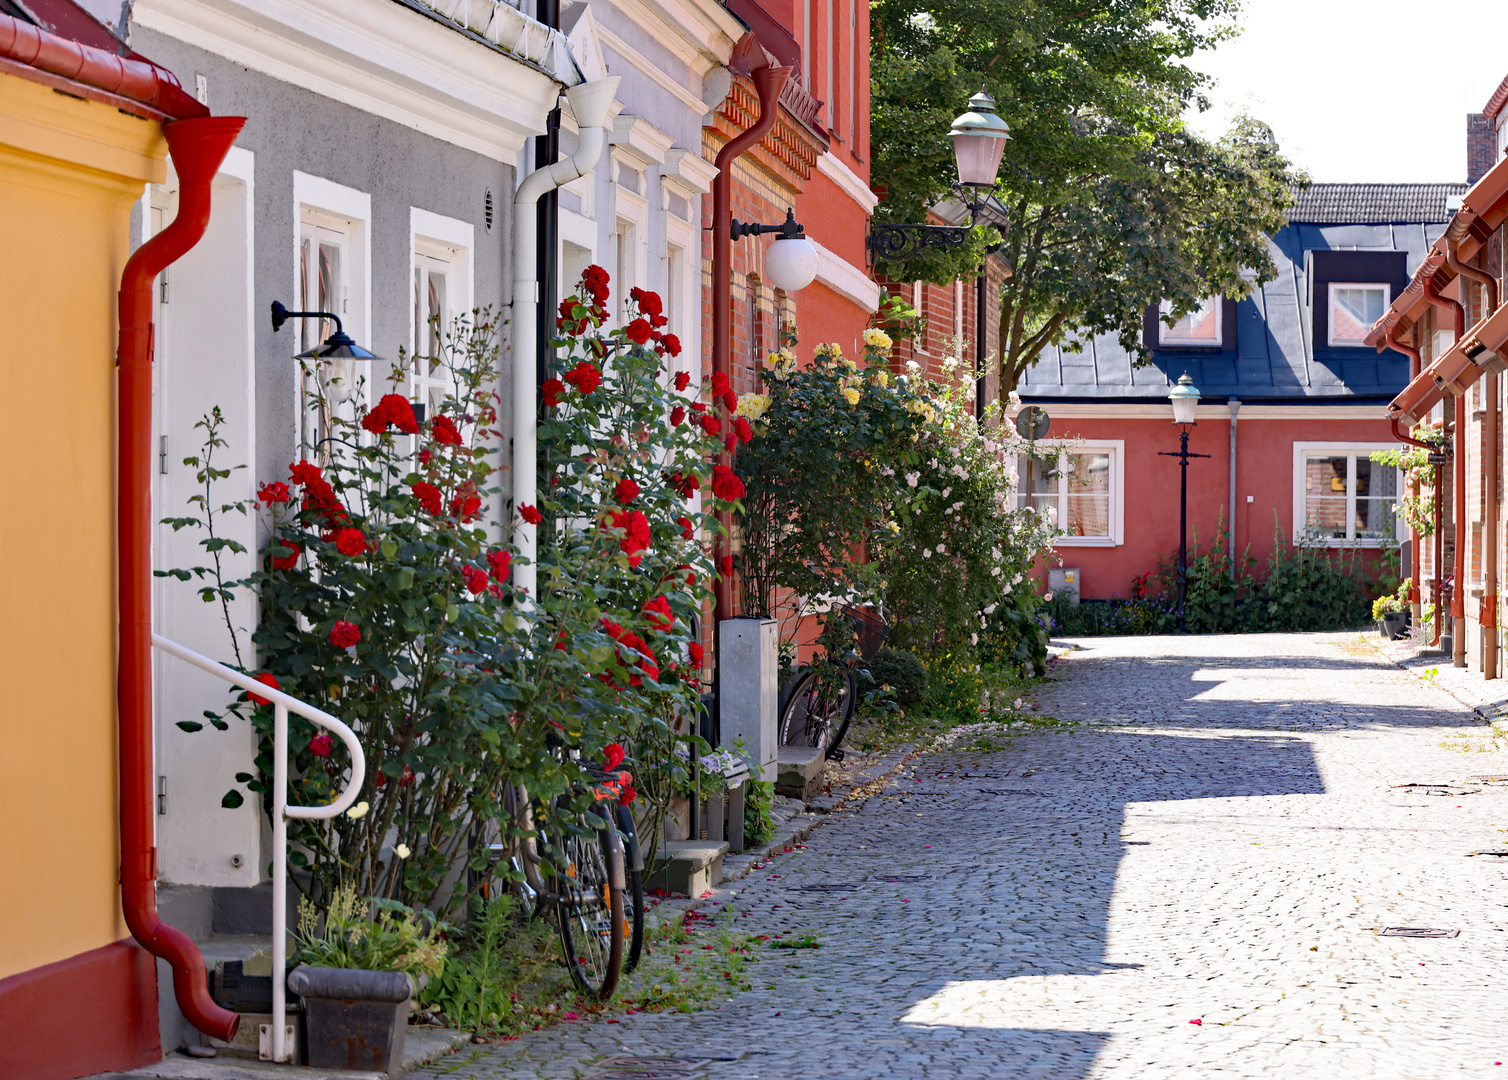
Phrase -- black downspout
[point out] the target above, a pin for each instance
(981, 286)
(546, 153)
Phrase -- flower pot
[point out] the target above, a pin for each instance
(353, 1019)
(1394, 625)
(678, 820)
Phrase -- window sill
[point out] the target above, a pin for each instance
(1086, 541)
(1334, 545)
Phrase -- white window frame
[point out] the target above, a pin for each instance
(1116, 448)
(436, 239)
(1163, 328)
(1353, 450)
(1387, 298)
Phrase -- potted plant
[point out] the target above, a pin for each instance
(1391, 610)
(359, 969)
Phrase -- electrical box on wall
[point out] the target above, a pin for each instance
(1064, 580)
(748, 668)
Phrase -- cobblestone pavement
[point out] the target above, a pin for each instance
(1217, 841)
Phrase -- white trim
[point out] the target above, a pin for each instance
(1080, 410)
(637, 137)
(377, 56)
(847, 280)
(634, 57)
(689, 171)
(1351, 450)
(1116, 448)
(699, 34)
(832, 167)
(1387, 299)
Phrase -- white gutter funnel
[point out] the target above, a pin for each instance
(589, 104)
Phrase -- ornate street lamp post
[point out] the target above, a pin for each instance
(1185, 400)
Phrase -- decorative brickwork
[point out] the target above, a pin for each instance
(1481, 146)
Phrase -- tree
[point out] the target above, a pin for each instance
(1115, 204)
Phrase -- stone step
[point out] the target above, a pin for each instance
(798, 771)
(688, 867)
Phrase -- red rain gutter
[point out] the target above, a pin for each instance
(768, 83)
(1415, 562)
(138, 82)
(1457, 483)
(198, 146)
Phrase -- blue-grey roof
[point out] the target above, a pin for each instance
(1374, 204)
(1274, 356)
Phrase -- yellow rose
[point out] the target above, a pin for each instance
(852, 395)
(881, 376)
(876, 338)
(752, 406)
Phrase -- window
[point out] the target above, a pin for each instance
(1079, 490)
(1201, 327)
(440, 274)
(321, 287)
(1353, 310)
(1342, 496)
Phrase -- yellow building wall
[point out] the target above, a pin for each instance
(69, 172)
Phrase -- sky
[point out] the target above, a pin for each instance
(1336, 81)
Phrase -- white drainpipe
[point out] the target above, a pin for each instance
(589, 104)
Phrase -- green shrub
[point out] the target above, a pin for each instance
(1016, 633)
(903, 673)
(954, 687)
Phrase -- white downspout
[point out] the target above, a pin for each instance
(589, 104)
(1230, 525)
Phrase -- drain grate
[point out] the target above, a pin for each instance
(830, 886)
(1471, 853)
(895, 878)
(1434, 789)
(1416, 931)
(1490, 778)
(634, 1067)
(1009, 791)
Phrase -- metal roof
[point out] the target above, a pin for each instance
(1374, 204)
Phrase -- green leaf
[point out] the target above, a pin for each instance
(190, 725)
(232, 799)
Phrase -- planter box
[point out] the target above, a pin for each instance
(1393, 625)
(353, 1019)
(678, 819)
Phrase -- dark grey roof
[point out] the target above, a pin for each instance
(1274, 355)
(1374, 204)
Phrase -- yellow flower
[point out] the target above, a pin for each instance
(893, 527)
(752, 406)
(881, 376)
(402, 851)
(876, 338)
(359, 810)
(852, 395)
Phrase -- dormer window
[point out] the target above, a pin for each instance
(1201, 328)
(1353, 309)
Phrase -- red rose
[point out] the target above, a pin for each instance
(694, 650)
(344, 634)
(636, 536)
(648, 302)
(730, 441)
(719, 383)
(682, 378)
(725, 485)
(289, 561)
(268, 679)
(677, 415)
(742, 428)
(658, 321)
(657, 613)
(425, 457)
(550, 391)
(698, 407)
(687, 532)
(627, 794)
(395, 410)
(639, 331)
(276, 492)
(687, 485)
(445, 431)
(320, 745)
(476, 580)
(584, 377)
(351, 542)
(710, 424)
(303, 473)
(730, 400)
(499, 561)
(673, 347)
(612, 757)
(428, 496)
(530, 514)
(467, 503)
(626, 491)
(725, 566)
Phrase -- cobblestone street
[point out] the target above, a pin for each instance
(1188, 881)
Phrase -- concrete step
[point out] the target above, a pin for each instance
(688, 867)
(798, 771)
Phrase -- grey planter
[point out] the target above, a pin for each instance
(1393, 625)
(353, 1019)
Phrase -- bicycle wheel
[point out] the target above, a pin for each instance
(633, 897)
(843, 714)
(589, 909)
(817, 710)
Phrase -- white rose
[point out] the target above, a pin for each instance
(402, 851)
(912, 478)
(926, 553)
(358, 811)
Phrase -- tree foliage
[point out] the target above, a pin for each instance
(1114, 203)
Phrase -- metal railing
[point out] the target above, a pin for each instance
(281, 811)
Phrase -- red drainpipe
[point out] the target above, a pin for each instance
(1458, 488)
(768, 83)
(198, 147)
(1414, 365)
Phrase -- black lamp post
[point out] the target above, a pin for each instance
(1185, 400)
(979, 138)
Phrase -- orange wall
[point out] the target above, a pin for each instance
(69, 171)
(1264, 470)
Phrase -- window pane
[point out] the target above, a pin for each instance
(1325, 497)
(329, 286)
(1353, 310)
(437, 317)
(1376, 519)
(1200, 327)
(1088, 515)
(1088, 473)
(1039, 485)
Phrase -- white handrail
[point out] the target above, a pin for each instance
(281, 811)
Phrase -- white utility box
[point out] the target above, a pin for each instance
(748, 669)
(1065, 580)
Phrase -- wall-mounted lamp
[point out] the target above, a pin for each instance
(339, 349)
(791, 262)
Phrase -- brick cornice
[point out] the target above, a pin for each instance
(789, 151)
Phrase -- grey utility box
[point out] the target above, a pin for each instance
(1065, 580)
(748, 667)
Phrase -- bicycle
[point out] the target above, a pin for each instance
(593, 886)
(817, 703)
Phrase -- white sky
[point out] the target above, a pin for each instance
(1336, 80)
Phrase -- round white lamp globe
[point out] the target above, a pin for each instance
(791, 264)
